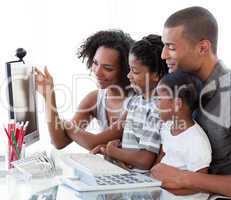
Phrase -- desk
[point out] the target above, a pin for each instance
(137, 194)
(61, 192)
(52, 189)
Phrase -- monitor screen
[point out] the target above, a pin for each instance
(22, 98)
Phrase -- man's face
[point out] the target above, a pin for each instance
(178, 50)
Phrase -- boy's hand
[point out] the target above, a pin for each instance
(100, 149)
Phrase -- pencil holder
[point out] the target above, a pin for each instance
(14, 153)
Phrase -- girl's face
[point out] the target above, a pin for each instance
(106, 67)
(165, 103)
(142, 80)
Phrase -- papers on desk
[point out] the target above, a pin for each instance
(38, 165)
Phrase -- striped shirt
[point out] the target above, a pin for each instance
(142, 126)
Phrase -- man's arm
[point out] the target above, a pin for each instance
(173, 178)
(219, 184)
(188, 191)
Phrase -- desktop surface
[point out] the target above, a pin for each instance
(61, 191)
(134, 194)
(51, 188)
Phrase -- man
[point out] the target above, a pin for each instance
(190, 38)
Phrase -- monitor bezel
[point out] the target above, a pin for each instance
(34, 136)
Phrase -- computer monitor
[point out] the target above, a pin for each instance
(22, 98)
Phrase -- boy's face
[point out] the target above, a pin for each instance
(165, 103)
(142, 80)
(179, 51)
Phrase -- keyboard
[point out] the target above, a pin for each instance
(93, 173)
(94, 164)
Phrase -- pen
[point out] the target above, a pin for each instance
(22, 135)
(11, 131)
(10, 145)
(17, 131)
(15, 144)
(9, 139)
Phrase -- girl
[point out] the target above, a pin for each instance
(141, 134)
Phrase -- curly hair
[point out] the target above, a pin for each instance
(114, 39)
(148, 51)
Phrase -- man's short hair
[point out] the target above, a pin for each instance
(198, 23)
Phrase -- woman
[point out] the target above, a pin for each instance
(107, 56)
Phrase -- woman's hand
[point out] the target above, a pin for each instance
(44, 82)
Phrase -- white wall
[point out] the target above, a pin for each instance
(52, 30)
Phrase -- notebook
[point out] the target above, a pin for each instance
(93, 172)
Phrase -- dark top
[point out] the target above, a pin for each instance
(214, 116)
